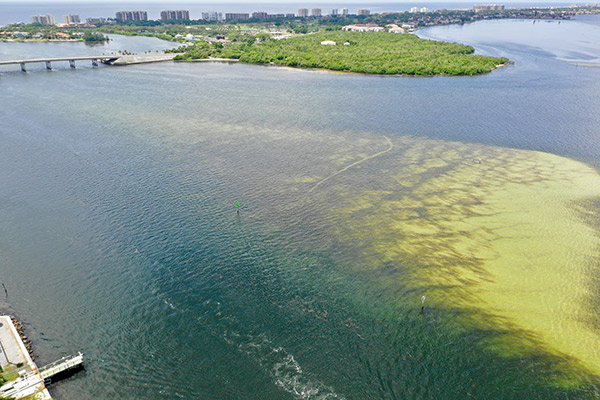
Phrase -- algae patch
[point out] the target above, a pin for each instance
(508, 239)
(489, 229)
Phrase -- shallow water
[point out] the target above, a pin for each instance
(120, 238)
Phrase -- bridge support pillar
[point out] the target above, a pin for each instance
(72, 63)
(94, 63)
(23, 67)
(48, 65)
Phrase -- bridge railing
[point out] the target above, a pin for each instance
(61, 365)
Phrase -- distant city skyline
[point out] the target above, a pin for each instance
(14, 11)
(168, 3)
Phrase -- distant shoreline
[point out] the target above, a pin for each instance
(273, 65)
(42, 40)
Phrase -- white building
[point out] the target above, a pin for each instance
(212, 16)
(396, 30)
(43, 19)
(126, 16)
(414, 10)
(424, 9)
(344, 11)
(71, 19)
(97, 20)
(169, 15)
(363, 28)
(328, 43)
(488, 7)
(260, 15)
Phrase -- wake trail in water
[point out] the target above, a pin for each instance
(285, 371)
(283, 368)
(354, 164)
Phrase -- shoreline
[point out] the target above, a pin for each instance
(21, 331)
(20, 372)
(218, 60)
(43, 40)
(333, 71)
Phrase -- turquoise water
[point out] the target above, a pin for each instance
(120, 238)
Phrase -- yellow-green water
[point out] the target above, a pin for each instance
(120, 237)
(501, 231)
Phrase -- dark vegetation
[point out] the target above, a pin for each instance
(90, 36)
(365, 52)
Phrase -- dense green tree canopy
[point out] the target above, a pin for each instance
(94, 37)
(372, 52)
(366, 52)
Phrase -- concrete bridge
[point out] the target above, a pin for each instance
(50, 60)
(110, 60)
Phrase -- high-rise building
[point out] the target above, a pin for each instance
(97, 20)
(316, 12)
(212, 16)
(303, 12)
(334, 12)
(290, 15)
(43, 19)
(260, 15)
(344, 11)
(364, 12)
(240, 16)
(71, 19)
(125, 16)
(424, 9)
(174, 15)
(488, 7)
(414, 10)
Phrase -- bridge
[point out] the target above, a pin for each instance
(109, 60)
(71, 60)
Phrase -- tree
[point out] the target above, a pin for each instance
(94, 37)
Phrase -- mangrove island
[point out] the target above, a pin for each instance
(362, 52)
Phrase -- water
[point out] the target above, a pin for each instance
(137, 45)
(22, 12)
(120, 238)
